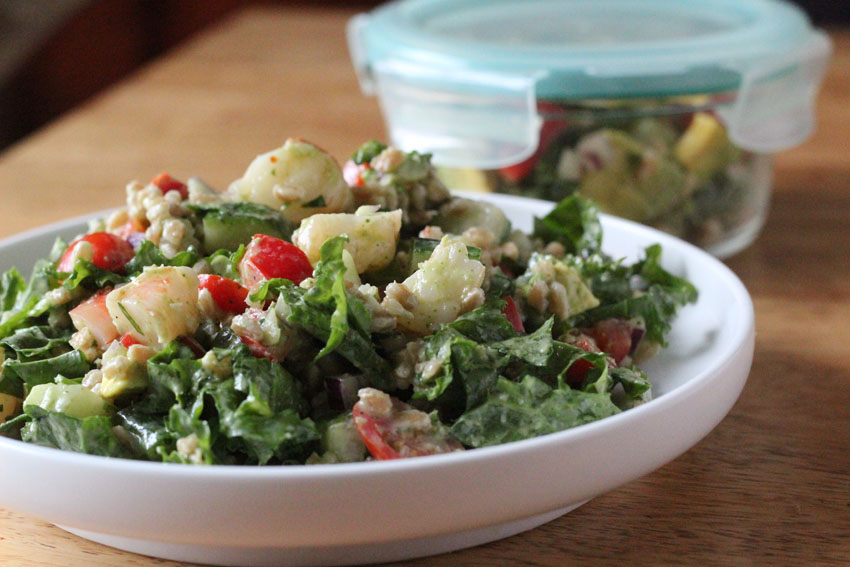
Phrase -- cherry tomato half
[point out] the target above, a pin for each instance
(610, 336)
(268, 257)
(256, 348)
(614, 337)
(254, 343)
(391, 437)
(167, 183)
(578, 369)
(227, 294)
(128, 340)
(511, 311)
(109, 252)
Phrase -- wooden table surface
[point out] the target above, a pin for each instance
(769, 486)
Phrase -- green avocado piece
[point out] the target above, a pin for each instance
(640, 182)
(616, 194)
(705, 148)
(664, 185)
(132, 381)
(659, 135)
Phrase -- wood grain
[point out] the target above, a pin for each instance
(770, 486)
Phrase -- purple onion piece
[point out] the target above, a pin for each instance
(135, 239)
(592, 160)
(637, 335)
(342, 390)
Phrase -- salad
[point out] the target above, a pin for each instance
(317, 314)
(659, 163)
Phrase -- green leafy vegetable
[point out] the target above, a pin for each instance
(634, 381)
(367, 152)
(534, 349)
(12, 283)
(87, 274)
(328, 312)
(655, 296)
(465, 372)
(93, 435)
(253, 418)
(574, 222)
(329, 289)
(39, 341)
(530, 408)
(19, 377)
(485, 324)
(149, 255)
(226, 263)
(29, 303)
(269, 387)
(260, 435)
(183, 424)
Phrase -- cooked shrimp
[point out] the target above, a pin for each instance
(298, 178)
(157, 306)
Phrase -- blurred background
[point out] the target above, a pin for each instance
(55, 54)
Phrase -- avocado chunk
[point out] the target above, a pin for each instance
(122, 376)
(615, 193)
(704, 148)
(579, 295)
(633, 181)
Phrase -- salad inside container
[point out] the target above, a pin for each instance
(664, 113)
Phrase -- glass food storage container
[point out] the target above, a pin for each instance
(664, 112)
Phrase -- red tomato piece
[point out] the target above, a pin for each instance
(167, 183)
(578, 369)
(92, 314)
(254, 340)
(129, 340)
(392, 437)
(227, 294)
(256, 348)
(511, 311)
(268, 257)
(109, 252)
(374, 435)
(614, 337)
(353, 173)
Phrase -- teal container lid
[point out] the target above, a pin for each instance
(461, 78)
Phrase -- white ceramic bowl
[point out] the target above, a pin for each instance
(382, 511)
